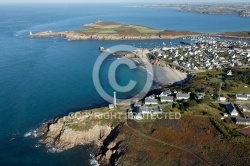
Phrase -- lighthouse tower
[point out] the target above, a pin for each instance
(114, 99)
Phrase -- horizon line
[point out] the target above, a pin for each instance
(138, 3)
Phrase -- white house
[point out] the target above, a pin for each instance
(241, 96)
(167, 99)
(180, 96)
(149, 101)
(242, 121)
(222, 99)
(144, 110)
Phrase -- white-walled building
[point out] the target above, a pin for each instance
(180, 96)
(167, 99)
(242, 96)
(149, 101)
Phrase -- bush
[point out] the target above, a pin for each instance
(191, 103)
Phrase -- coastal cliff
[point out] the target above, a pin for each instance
(102, 135)
(191, 140)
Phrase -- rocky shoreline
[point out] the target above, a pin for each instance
(102, 138)
(72, 35)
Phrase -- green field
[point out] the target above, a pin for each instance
(121, 28)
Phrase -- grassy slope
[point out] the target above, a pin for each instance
(195, 134)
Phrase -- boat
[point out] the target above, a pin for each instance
(185, 43)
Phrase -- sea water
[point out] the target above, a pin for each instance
(41, 79)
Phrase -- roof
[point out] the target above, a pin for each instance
(137, 104)
(243, 106)
(241, 96)
(149, 100)
(143, 108)
(167, 97)
(182, 95)
(167, 92)
(230, 108)
(242, 120)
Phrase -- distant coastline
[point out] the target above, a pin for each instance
(240, 9)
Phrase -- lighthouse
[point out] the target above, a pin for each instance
(114, 102)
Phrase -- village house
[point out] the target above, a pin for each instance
(231, 109)
(167, 99)
(180, 96)
(242, 121)
(242, 96)
(222, 99)
(144, 110)
(149, 101)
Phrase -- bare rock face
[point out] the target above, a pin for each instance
(106, 139)
(63, 138)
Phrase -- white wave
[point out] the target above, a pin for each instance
(27, 134)
(54, 150)
(37, 145)
(93, 161)
(31, 133)
(12, 139)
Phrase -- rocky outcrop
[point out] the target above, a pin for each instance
(56, 134)
(62, 138)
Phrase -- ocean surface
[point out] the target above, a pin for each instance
(41, 79)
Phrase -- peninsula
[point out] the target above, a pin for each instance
(103, 30)
(106, 30)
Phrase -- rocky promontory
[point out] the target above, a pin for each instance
(84, 128)
(191, 140)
